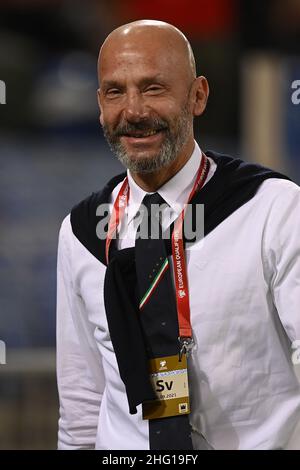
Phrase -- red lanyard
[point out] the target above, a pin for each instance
(179, 265)
(120, 205)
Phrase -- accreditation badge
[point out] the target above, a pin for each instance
(169, 379)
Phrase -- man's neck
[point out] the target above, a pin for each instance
(151, 182)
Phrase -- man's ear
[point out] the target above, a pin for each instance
(100, 107)
(200, 95)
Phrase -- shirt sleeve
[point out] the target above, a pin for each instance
(282, 256)
(80, 375)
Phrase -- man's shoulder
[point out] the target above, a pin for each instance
(278, 185)
(276, 188)
(234, 173)
(280, 195)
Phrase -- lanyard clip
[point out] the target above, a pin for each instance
(186, 346)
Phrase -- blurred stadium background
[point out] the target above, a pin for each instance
(52, 153)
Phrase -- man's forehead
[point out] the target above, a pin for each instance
(140, 61)
(131, 52)
(140, 79)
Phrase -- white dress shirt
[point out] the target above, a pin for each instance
(244, 284)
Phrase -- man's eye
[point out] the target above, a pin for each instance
(113, 92)
(154, 89)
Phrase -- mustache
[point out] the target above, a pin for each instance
(145, 125)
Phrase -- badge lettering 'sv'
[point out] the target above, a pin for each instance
(160, 385)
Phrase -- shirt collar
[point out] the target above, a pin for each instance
(175, 192)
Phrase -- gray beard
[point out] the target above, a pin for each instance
(168, 153)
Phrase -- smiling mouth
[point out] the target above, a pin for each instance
(141, 135)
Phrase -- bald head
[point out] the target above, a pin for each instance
(158, 37)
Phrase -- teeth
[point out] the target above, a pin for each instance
(146, 134)
(150, 133)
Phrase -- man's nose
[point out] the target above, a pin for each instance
(135, 108)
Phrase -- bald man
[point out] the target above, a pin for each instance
(154, 63)
(175, 342)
